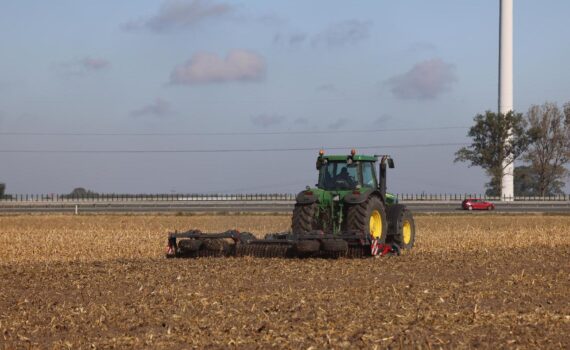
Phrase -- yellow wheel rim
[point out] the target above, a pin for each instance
(407, 232)
(375, 224)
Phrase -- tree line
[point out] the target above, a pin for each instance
(539, 139)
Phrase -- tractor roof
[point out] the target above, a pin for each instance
(344, 157)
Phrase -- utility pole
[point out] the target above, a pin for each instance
(506, 88)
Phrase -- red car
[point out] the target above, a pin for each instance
(477, 203)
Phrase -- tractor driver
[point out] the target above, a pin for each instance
(343, 176)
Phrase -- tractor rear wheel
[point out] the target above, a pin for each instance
(401, 229)
(368, 217)
(304, 218)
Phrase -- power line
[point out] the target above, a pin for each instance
(232, 150)
(236, 133)
(277, 185)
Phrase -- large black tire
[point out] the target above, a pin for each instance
(359, 218)
(401, 227)
(304, 218)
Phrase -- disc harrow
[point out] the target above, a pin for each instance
(315, 244)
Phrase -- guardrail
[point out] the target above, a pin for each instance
(147, 197)
(250, 206)
(111, 197)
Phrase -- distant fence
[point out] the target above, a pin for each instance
(111, 197)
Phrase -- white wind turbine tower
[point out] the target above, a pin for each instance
(506, 87)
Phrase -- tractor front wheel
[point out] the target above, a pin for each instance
(368, 217)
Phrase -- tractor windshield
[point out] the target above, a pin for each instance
(338, 176)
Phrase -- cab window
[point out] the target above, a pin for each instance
(368, 175)
(338, 176)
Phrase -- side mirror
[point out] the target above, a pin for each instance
(391, 163)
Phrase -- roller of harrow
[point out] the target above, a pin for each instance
(315, 244)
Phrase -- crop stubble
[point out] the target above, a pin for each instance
(102, 282)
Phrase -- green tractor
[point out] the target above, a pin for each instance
(348, 214)
(349, 197)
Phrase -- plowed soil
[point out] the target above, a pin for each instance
(99, 282)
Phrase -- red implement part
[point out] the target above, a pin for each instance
(389, 249)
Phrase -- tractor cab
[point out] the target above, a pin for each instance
(350, 172)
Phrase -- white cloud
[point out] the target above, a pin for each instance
(267, 120)
(426, 80)
(159, 108)
(344, 33)
(175, 14)
(301, 121)
(297, 38)
(290, 39)
(90, 63)
(339, 123)
(420, 47)
(239, 65)
(82, 66)
(270, 19)
(382, 120)
(326, 88)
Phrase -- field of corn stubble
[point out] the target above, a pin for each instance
(96, 282)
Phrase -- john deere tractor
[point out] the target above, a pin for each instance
(349, 197)
(348, 214)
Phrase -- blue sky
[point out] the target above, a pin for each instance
(417, 71)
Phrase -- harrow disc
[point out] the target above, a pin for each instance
(189, 245)
(357, 252)
(215, 248)
(262, 250)
(308, 246)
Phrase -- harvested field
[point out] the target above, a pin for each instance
(98, 282)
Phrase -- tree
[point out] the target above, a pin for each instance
(496, 137)
(549, 127)
(493, 187)
(80, 192)
(525, 181)
(567, 113)
(2, 189)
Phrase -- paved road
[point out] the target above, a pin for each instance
(249, 206)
